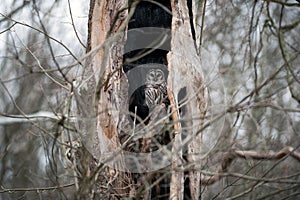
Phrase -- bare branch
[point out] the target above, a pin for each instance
(73, 25)
(231, 155)
(4, 190)
(48, 36)
(284, 3)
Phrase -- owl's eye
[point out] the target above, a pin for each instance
(150, 76)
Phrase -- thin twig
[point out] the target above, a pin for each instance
(4, 190)
(73, 25)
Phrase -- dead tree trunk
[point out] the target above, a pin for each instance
(185, 78)
(103, 100)
(104, 105)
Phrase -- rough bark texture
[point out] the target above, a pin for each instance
(185, 77)
(111, 102)
(110, 83)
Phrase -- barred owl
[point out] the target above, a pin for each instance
(156, 88)
(156, 100)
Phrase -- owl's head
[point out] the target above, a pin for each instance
(155, 76)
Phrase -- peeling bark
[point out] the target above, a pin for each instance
(106, 41)
(110, 99)
(185, 74)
